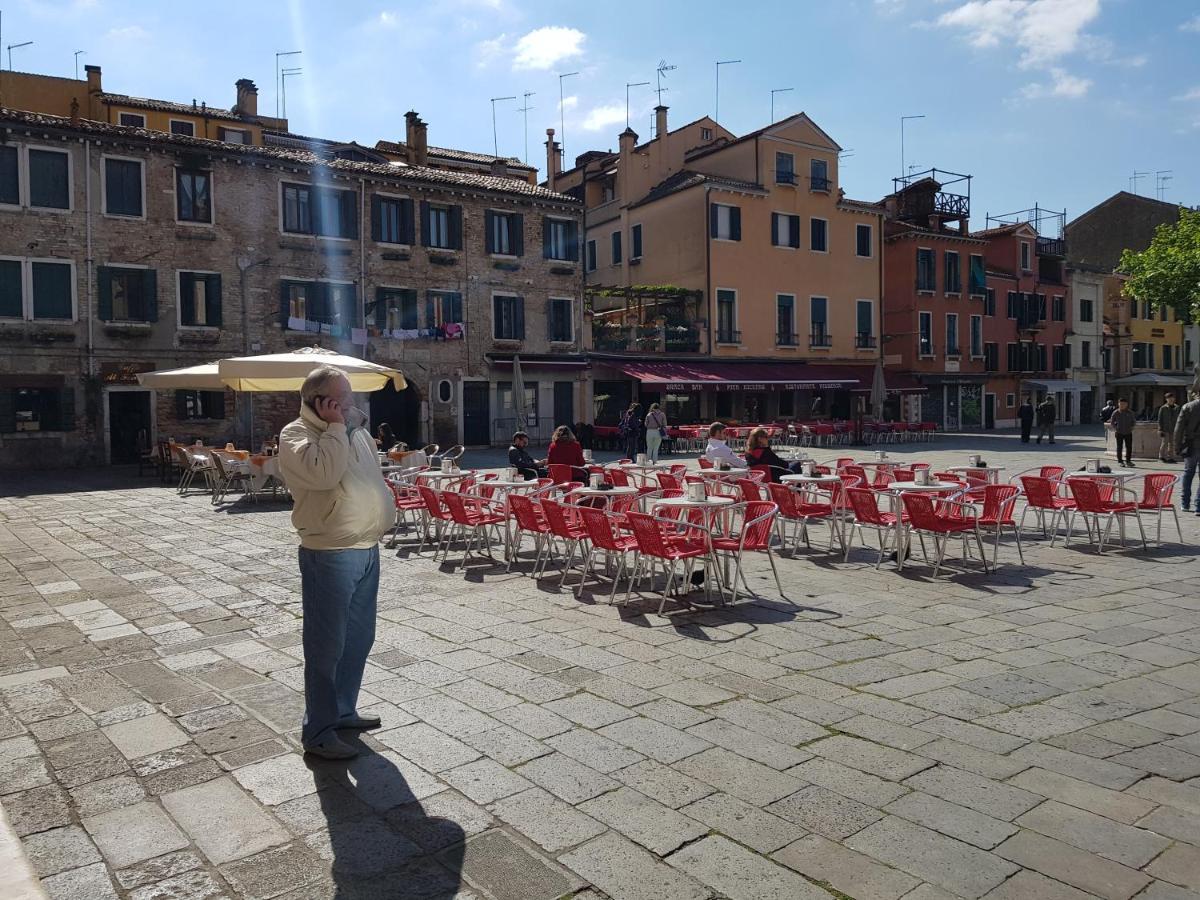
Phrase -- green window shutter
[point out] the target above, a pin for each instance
(546, 238)
(425, 223)
(181, 411)
(775, 230)
(11, 305)
(519, 317)
(489, 223)
(380, 308)
(284, 305)
(712, 220)
(350, 218)
(407, 231)
(66, 409)
(573, 242)
(794, 232)
(150, 294)
(376, 218)
(430, 312)
(517, 236)
(104, 293)
(187, 295)
(8, 416)
(212, 300)
(456, 222)
(735, 223)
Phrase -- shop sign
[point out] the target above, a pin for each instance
(123, 373)
(677, 387)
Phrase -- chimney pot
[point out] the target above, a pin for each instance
(247, 98)
(500, 167)
(553, 158)
(660, 121)
(416, 139)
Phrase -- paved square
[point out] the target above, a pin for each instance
(877, 735)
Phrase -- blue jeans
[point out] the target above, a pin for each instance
(339, 589)
(1189, 472)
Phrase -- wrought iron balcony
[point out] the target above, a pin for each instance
(787, 340)
(681, 339)
(820, 339)
(819, 183)
(725, 336)
(864, 341)
(1051, 246)
(783, 176)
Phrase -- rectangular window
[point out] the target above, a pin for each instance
(1085, 354)
(504, 233)
(508, 318)
(991, 357)
(133, 120)
(952, 348)
(785, 230)
(439, 228)
(1147, 310)
(123, 187)
(925, 333)
(1166, 356)
(49, 179)
(10, 176)
(818, 322)
(615, 244)
(953, 283)
(559, 240)
(862, 240)
(127, 295)
(727, 332)
(301, 300)
(1014, 358)
(1162, 313)
(392, 220)
(234, 135)
(725, 222)
(52, 290)
(864, 323)
(706, 134)
(297, 208)
(819, 235)
(818, 175)
(185, 128)
(12, 295)
(976, 336)
(1139, 355)
(1187, 353)
(1013, 304)
(635, 242)
(395, 309)
(785, 320)
(324, 211)
(926, 269)
(1085, 309)
(785, 168)
(977, 276)
(1058, 308)
(591, 256)
(199, 405)
(200, 299)
(444, 308)
(558, 320)
(1025, 256)
(193, 195)
(37, 409)
(989, 302)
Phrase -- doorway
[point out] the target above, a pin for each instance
(130, 427)
(989, 411)
(399, 409)
(564, 404)
(951, 417)
(476, 413)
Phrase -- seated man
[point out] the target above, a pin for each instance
(718, 452)
(519, 458)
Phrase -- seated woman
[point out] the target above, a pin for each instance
(565, 450)
(759, 453)
(521, 460)
(385, 438)
(718, 452)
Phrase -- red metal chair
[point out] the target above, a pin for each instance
(1090, 501)
(559, 473)
(792, 507)
(1041, 495)
(999, 504)
(1051, 472)
(941, 519)
(750, 490)
(565, 525)
(603, 535)
(437, 516)
(618, 477)
(482, 514)
(705, 463)
(669, 481)
(864, 503)
(1157, 488)
(530, 521)
(407, 500)
(758, 519)
(669, 541)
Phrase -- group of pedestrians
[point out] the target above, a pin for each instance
(1046, 415)
(637, 431)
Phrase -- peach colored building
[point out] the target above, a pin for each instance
(768, 261)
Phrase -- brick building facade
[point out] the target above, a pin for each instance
(125, 250)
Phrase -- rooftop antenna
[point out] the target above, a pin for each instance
(1161, 177)
(661, 73)
(525, 110)
(717, 105)
(77, 52)
(11, 48)
(495, 138)
(562, 113)
(279, 76)
(283, 77)
(904, 119)
(1134, 179)
(628, 85)
(775, 91)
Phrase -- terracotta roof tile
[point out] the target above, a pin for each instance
(213, 112)
(460, 155)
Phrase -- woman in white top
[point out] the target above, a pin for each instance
(717, 452)
(656, 429)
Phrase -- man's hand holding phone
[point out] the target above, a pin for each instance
(329, 409)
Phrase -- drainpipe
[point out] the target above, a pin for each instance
(708, 264)
(88, 261)
(362, 264)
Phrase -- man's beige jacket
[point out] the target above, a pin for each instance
(342, 501)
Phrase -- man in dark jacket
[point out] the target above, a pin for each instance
(1025, 415)
(1047, 412)
(520, 459)
(1187, 444)
(1122, 422)
(1168, 414)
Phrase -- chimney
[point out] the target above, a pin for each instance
(660, 121)
(247, 99)
(500, 167)
(553, 158)
(94, 108)
(416, 139)
(627, 141)
(93, 79)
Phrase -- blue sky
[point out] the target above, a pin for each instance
(1049, 101)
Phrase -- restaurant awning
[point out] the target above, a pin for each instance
(1054, 385)
(699, 375)
(1152, 379)
(897, 383)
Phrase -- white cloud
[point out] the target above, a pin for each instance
(1192, 24)
(1063, 84)
(388, 19)
(1044, 30)
(601, 117)
(487, 52)
(569, 103)
(1193, 94)
(543, 47)
(127, 33)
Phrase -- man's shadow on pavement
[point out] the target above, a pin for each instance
(381, 843)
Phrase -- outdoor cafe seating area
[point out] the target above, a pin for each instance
(691, 438)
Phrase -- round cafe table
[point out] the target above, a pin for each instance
(614, 491)
(899, 487)
(809, 479)
(723, 474)
(647, 467)
(992, 472)
(712, 506)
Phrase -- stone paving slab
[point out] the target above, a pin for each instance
(1029, 734)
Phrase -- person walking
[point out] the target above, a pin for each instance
(1187, 445)
(630, 430)
(656, 431)
(1168, 414)
(1025, 415)
(1047, 412)
(1122, 422)
(342, 508)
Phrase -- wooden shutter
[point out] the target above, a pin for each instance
(187, 294)
(284, 305)
(735, 223)
(516, 234)
(376, 218)
(489, 223)
(8, 416)
(150, 294)
(573, 239)
(775, 230)
(794, 232)
(380, 308)
(66, 409)
(1041, 307)
(407, 231)
(519, 318)
(425, 223)
(212, 300)
(104, 293)
(712, 220)
(545, 238)
(348, 204)
(456, 234)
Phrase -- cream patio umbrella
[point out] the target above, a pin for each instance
(287, 371)
(204, 377)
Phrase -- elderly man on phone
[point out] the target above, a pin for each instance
(342, 508)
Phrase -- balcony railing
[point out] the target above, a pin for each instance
(819, 183)
(1051, 246)
(864, 341)
(645, 338)
(680, 339)
(787, 340)
(785, 177)
(725, 336)
(820, 339)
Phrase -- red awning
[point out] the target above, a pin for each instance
(731, 376)
(896, 383)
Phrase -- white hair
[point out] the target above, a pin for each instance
(317, 383)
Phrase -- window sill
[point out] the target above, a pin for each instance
(926, 356)
(726, 344)
(562, 345)
(140, 217)
(129, 329)
(957, 295)
(189, 223)
(507, 342)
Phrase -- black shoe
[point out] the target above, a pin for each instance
(1129, 465)
(360, 722)
(698, 578)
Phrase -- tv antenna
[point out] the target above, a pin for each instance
(279, 75)
(661, 73)
(628, 85)
(562, 113)
(1134, 179)
(495, 137)
(775, 91)
(77, 52)
(1161, 177)
(284, 74)
(11, 48)
(525, 110)
(717, 106)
